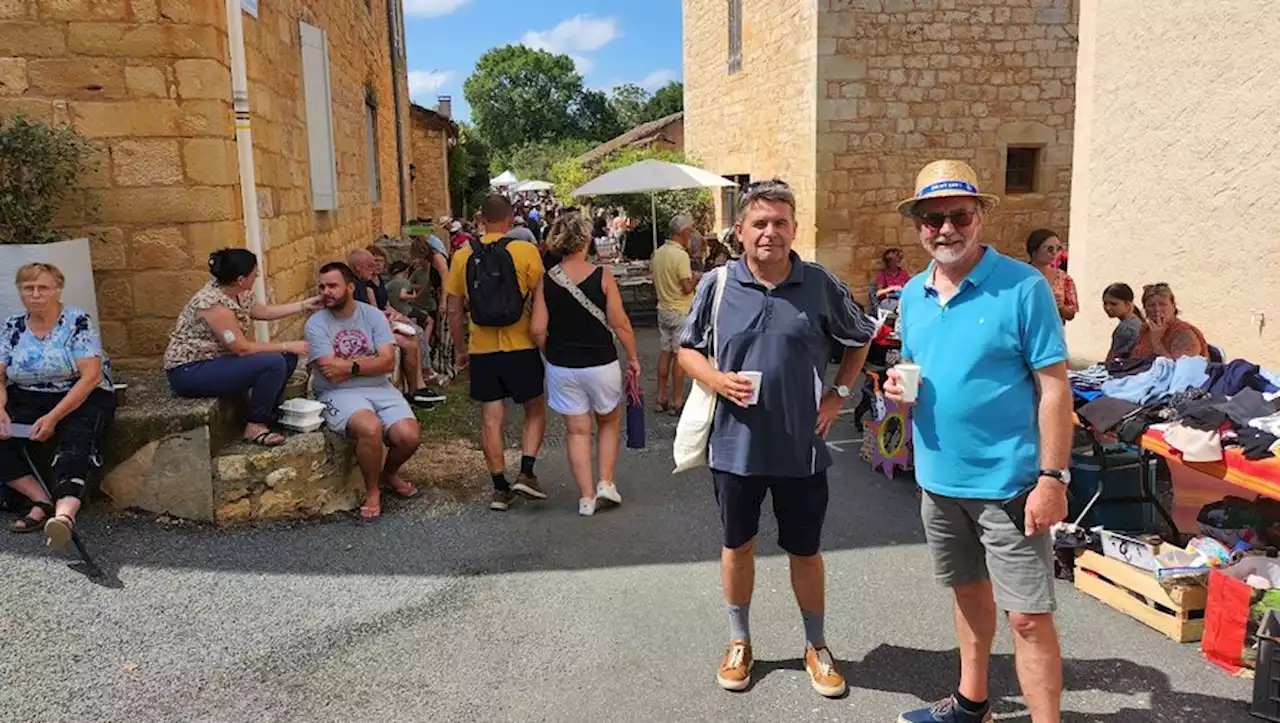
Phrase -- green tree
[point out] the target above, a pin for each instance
(628, 102)
(468, 171)
(534, 160)
(521, 95)
(595, 118)
(667, 100)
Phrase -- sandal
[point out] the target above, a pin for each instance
(402, 488)
(57, 532)
(370, 512)
(30, 524)
(677, 411)
(663, 407)
(267, 438)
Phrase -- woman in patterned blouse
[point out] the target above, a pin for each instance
(1043, 247)
(54, 385)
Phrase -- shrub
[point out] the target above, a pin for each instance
(41, 166)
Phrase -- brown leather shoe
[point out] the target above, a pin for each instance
(735, 667)
(527, 486)
(824, 674)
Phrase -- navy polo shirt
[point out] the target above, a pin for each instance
(787, 334)
(975, 426)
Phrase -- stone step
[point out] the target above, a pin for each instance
(311, 475)
(152, 412)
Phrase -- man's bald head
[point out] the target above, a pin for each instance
(363, 263)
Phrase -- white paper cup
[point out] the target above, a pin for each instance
(403, 328)
(756, 378)
(909, 378)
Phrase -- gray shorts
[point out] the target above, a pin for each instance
(670, 327)
(974, 541)
(385, 401)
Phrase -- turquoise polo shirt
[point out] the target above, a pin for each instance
(975, 428)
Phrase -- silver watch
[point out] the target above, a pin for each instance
(1062, 475)
(843, 391)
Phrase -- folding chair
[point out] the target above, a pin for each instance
(90, 567)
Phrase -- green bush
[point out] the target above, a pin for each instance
(41, 166)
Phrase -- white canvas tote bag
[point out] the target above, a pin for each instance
(693, 432)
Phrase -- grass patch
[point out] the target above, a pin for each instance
(455, 418)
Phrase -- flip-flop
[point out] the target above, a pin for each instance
(371, 512)
(57, 532)
(263, 439)
(29, 524)
(404, 489)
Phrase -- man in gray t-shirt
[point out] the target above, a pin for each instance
(352, 354)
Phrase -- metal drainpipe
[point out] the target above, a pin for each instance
(244, 155)
(393, 37)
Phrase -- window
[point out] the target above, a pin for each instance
(319, 109)
(371, 145)
(729, 196)
(1021, 166)
(735, 36)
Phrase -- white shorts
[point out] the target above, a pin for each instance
(581, 391)
(385, 401)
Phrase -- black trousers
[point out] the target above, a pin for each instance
(75, 441)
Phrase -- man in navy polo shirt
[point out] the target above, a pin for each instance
(779, 317)
(992, 435)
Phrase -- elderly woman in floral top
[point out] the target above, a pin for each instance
(210, 353)
(54, 385)
(1044, 248)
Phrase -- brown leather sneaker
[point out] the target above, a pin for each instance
(735, 667)
(501, 500)
(527, 486)
(823, 672)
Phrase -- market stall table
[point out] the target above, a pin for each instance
(1260, 477)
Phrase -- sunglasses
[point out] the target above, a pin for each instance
(935, 221)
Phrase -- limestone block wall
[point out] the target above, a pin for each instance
(904, 82)
(429, 136)
(759, 120)
(149, 81)
(1173, 170)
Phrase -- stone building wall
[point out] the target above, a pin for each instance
(759, 120)
(429, 138)
(149, 81)
(904, 82)
(1172, 172)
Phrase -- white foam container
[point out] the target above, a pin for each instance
(302, 408)
(300, 426)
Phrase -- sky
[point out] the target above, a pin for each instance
(611, 41)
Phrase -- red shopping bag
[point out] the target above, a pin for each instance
(1226, 622)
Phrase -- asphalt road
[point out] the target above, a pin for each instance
(457, 613)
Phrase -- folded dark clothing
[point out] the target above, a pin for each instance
(1248, 404)
(1104, 413)
(1256, 443)
(1181, 400)
(1129, 367)
(1234, 377)
(1202, 414)
(1134, 425)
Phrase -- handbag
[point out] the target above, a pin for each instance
(635, 414)
(693, 431)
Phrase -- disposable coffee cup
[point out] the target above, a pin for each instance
(756, 378)
(909, 378)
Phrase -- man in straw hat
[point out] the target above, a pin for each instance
(772, 333)
(983, 345)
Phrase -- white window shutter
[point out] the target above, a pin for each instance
(319, 107)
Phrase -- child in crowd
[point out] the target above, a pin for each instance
(403, 297)
(1117, 301)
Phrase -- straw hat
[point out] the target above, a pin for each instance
(943, 179)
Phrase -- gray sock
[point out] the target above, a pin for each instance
(739, 626)
(813, 628)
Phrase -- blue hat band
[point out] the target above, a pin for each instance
(947, 186)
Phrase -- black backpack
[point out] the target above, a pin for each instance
(493, 288)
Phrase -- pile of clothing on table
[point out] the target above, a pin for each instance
(1203, 405)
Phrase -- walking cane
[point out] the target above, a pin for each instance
(90, 567)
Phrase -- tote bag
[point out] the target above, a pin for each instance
(693, 432)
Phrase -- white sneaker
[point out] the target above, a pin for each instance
(587, 506)
(609, 491)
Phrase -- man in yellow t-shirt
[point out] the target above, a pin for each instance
(674, 282)
(504, 362)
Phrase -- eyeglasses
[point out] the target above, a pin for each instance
(935, 221)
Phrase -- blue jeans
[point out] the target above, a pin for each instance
(263, 375)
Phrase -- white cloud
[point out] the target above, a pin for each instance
(424, 83)
(657, 79)
(582, 63)
(432, 8)
(579, 34)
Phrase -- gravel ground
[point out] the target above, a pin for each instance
(445, 611)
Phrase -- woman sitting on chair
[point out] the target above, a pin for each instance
(55, 379)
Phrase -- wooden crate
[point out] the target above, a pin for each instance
(1135, 592)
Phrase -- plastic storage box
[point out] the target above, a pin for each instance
(1266, 679)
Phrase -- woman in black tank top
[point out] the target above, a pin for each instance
(577, 312)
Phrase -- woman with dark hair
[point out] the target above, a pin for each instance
(887, 286)
(1043, 248)
(210, 353)
(1164, 334)
(1117, 301)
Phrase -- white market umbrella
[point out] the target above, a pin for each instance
(525, 186)
(506, 178)
(651, 176)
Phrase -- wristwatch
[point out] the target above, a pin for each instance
(843, 391)
(1062, 475)
(355, 369)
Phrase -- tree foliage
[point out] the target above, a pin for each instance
(534, 160)
(667, 100)
(628, 101)
(468, 171)
(41, 166)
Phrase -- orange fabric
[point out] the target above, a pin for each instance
(1258, 476)
(1064, 289)
(1144, 348)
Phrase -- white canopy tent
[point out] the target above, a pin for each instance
(504, 179)
(529, 186)
(651, 176)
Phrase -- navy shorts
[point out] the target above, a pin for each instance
(799, 505)
(515, 375)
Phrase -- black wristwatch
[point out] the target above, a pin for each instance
(355, 369)
(1062, 475)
